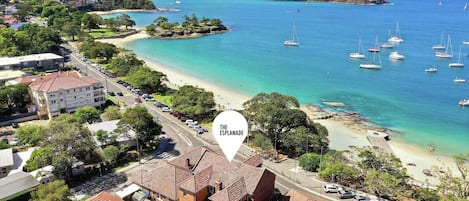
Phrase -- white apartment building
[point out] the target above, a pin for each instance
(64, 94)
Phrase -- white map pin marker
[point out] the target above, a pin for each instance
(230, 128)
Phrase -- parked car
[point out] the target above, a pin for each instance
(183, 118)
(15, 125)
(14, 142)
(331, 188)
(5, 140)
(344, 194)
(120, 93)
(201, 131)
(360, 198)
(166, 109)
(111, 93)
(189, 121)
(176, 114)
(196, 127)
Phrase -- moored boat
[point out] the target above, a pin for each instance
(458, 64)
(459, 80)
(294, 40)
(359, 54)
(448, 51)
(431, 70)
(464, 102)
(397, 36)
(387, 46)
(396, 55)
(440, 46)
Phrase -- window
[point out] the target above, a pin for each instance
(211, 190)
(184, 193)
(53, 101)
(4, 170)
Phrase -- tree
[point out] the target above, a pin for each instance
(112, 113)
(110, 154)
(53, 191)
(310, 161)
(4, 145)
(126, 20)
(87, 114)
(275, 115)
(159, 20)
(262, 142)
(93, 49)
(193, 101)
(72, 30)
(453, 186)
(91, 21)
(141, 122)
(298, 140)
(151, 29)
(341, 173)
(13, 97)
(123, 64)
(68, 140)
(112, 24)
(30, 134)
(147, 79)
(39, 158)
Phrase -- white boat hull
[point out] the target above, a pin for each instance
(464, 102)
(356, 55)
(396, 56)
(465, 42)
(456, 65)
(291, 43)
(438, 47)
(443, 55)
(370, 66)
(431, 70)
(395, 39)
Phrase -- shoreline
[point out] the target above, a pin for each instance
(132, 11)
(344, 130)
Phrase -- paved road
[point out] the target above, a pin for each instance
(178, 137)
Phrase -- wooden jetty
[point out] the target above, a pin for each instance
(379, 139)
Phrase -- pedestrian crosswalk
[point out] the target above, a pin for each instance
(166, 155)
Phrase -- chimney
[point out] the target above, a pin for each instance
(188, 164)
(218, 185)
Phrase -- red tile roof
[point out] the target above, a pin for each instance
(62, 83)
(197, 182)
(255, 160)
(234, 192)
(33, 78)
(163, 179)
(104, 196)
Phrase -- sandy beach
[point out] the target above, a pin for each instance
(343, 132)
(131, 10)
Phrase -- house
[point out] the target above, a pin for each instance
(40, 62)
(6, 161)
(104, 196)
(202, 174)
(109, 127)
(16, 184)
(65, 93)
(42, 77)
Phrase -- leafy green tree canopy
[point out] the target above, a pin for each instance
(30, 134)
(112, 113)
(147, 79)
(140, 121)
(193, 101)
(87, 114)
(53, 191)
(310, 161)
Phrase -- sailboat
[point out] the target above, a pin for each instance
(293, 41)
(397, 36)
(458, 64)
(359, 54)
(374, 49)
(440, 46)
(465, 7)
(446, 55)
(372, 65)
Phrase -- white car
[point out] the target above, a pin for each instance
(166, 109)
(14, 142)
(331, 188)
(189, 121)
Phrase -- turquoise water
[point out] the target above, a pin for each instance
(251, 59)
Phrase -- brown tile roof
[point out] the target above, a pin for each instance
(104, 196)
(197, 182)
(29, 79)
(234, 192)
(62, 83)
(163, 179)
(254, 160)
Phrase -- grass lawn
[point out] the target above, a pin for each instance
(166, 99)
(96, 33)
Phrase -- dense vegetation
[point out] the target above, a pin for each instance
(278, 118)
(123, 4)
(193, 101)
(99, 50)
(347, 1)
(139, 120)
(161, 27)
(29, 39)
(13, 98)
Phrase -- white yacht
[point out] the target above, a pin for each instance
(294, 40)
(397, 36)
(396, 56)
(459, 80)
(387, 46)
(372, 64)
(448, 51)
(464, 102)
(359, 54)
(458, 64)
(440, 46)
(431, 70)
